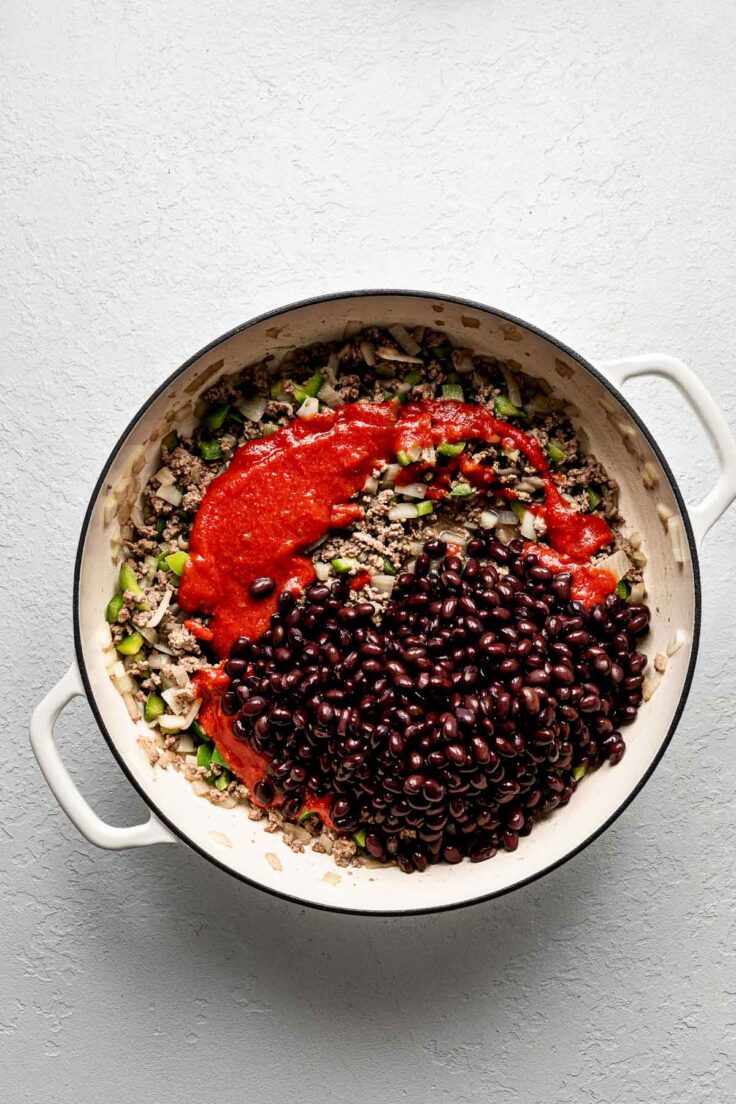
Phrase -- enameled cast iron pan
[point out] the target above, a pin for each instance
(617, 437)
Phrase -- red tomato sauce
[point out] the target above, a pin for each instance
(590, 585)
(282, 493)
(246, 763)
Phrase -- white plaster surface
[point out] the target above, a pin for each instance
(170, 169)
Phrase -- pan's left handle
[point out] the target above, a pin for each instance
(80, 813)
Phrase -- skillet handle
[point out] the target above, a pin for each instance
(63, 787)
(706, 513)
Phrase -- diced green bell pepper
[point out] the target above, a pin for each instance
(196, 729)
(342, 564)
(177, 561)
(424, 507)
(223, 780)
(413, 378)
(505, 408)
(408, 456)
(204, 756)
(114, 607)
(623, 589)
(170, 441)
(216, 415)
(459, 490)
(160, 526)
(555, 453)
(131, 644)
(453, 391)
(389, 568)
(359, 837)
(309, 389)
(519, 509)
(154, 707)
(449, 449)
(209, 450)
(594, 497)
(579, 771)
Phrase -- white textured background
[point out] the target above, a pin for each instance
(170, 169)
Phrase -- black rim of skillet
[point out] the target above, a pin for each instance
(564, 349)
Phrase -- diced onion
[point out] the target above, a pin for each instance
(677, 539)
(389, 473)
(402, 512)
(322, 571)
(329, 396)
(171, 697)
(170, 494)
(148, 634)
(617, 564)
(157, 660)
(463, 364)
(453, 536)
(664, 512)
(110, 508)
(488, 519)
(168, 722)
(253, 409)
(123, 684)
(371, 485)
(649, 475)
(185, 744)
(651, 681)
(404, 339)
(384, 583)
(309, 408)
(413, 490)
(506, 517)
(165, 477)
(368, 353)
(200, 787)
(506, 533)
(527, 526)
(660, 662)
(676, 642)
(638, 592)
(132, 706)
(394, 355)
(161, 609)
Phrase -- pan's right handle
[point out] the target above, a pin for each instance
(701, 402)
(80, 813)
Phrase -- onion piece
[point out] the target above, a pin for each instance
(253, 409)
(618, 564)
(660, 662)
(371, 485)
(149, 635)
(403, 338)
(368, 353)
(170, 494)
(506, 533)
(110, 508)
(329, 396)
(402, 512)
(309, 408)
(123, 684)
(185, 744)
(157, 660)
(384, 583)
(161, 609)
(677, 539)
(651, 681)
(453, 536)
(528, 531)
(200, 787)
(165, 477)
(664, 512)
(322, 571)
(638, 592)
(676, 642)
(488, 519)
(134, 711)
(389, 473)
(463, 364)
(394, 355)
(506, 517)
(413, 490)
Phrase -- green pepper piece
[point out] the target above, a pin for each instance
(131, 644)
(519, 509)
(505, 408)
(267, 428)
(424, 507)
(453, 391)
(160, 526)
(196, 729)
(204, 756)
(623, 589)
(555, 453)
(154, 707)
(448, 449)
(217, 759)
(413, 378)
(177, 561)
(223, 780)
(114, 607)
(343, 564)
(309, 389)
(594, 497)
(389, 568)
(170, 441)
(127, 580)
(216, 416)
(359, 837)
(209, 450)
(307, 814)
(277, 389)
(459, 490)
(579, 771)
(408, 456)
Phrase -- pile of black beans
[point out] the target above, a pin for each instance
(448, 728)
